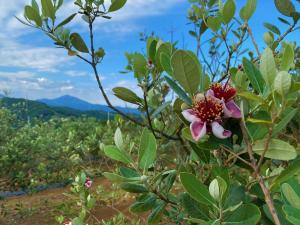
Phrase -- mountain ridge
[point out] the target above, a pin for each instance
(82, 105)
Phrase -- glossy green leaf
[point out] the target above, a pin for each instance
(292, 214)
(285, 7)
(268, 66)
(66, 21)
(186, 71)
(156, 214)
(147, 151)
(127, 95)
(250, 96)
(119, 179)
(287, 60)
(278, 149)
(48, 9)
(247, 214)
(133, 188)
(283, 83)
(118, 138)
(290, 195)
(248, 10)
(228, 11)
(78, 43)
(254, 76)
(151, 48)
(214, 23)
(33, 15)
(116, 5)
(181, 94)
(194, 208)
(117, 154)
(292, 170)
(196, 189)
(160, 109)
(144, 204)
(288, 116)
(272, 28)
(139, 65)
(165, 61)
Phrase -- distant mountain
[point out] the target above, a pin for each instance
(79, 104)
(25, 109)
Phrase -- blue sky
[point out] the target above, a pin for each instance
(31, 67)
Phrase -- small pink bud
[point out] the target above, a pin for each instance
(88, 182)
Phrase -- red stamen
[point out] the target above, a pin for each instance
(208, 109)
(225, 92)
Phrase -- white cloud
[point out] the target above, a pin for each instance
(75, 73)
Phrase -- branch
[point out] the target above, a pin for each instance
(94, 66)
(291, 29)
(253, 39)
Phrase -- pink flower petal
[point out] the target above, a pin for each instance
(198, 130)
(210, 93)
(232, 110)
(219, 131)
(190, 115)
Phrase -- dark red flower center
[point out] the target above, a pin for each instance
(208, 109)
(225, 92)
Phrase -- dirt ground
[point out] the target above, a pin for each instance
(41, 208)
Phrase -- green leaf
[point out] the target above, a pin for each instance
(156, 214)
(287, 59)
(151, 48)
(116, 5)
(196, 189)
(186, 71)
(162, 48)
(194, 208)
(250, 96)
(78, 43)
(228, 11)
(283, 83)
(165, 62)
(181, 94)
(48, 9)
(133, 188)
(285, 7)
(284, 121)
(32, 14)
(35, 6)
(278, 149)
(127, 95)
(272, 28)
(66, 21)
(77, 221)
(292, 170)
(268, 66)
(147, 152)
(117, 154)
(218, 188)
(290, 195)
(118, 138)
(247, 214)
(119, 179)
(160, 109)
(248, 10)
(254, 76)
(144, 204)
(292, 214)
(139, 65)
(214, 23)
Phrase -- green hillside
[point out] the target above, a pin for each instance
(27, 109)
